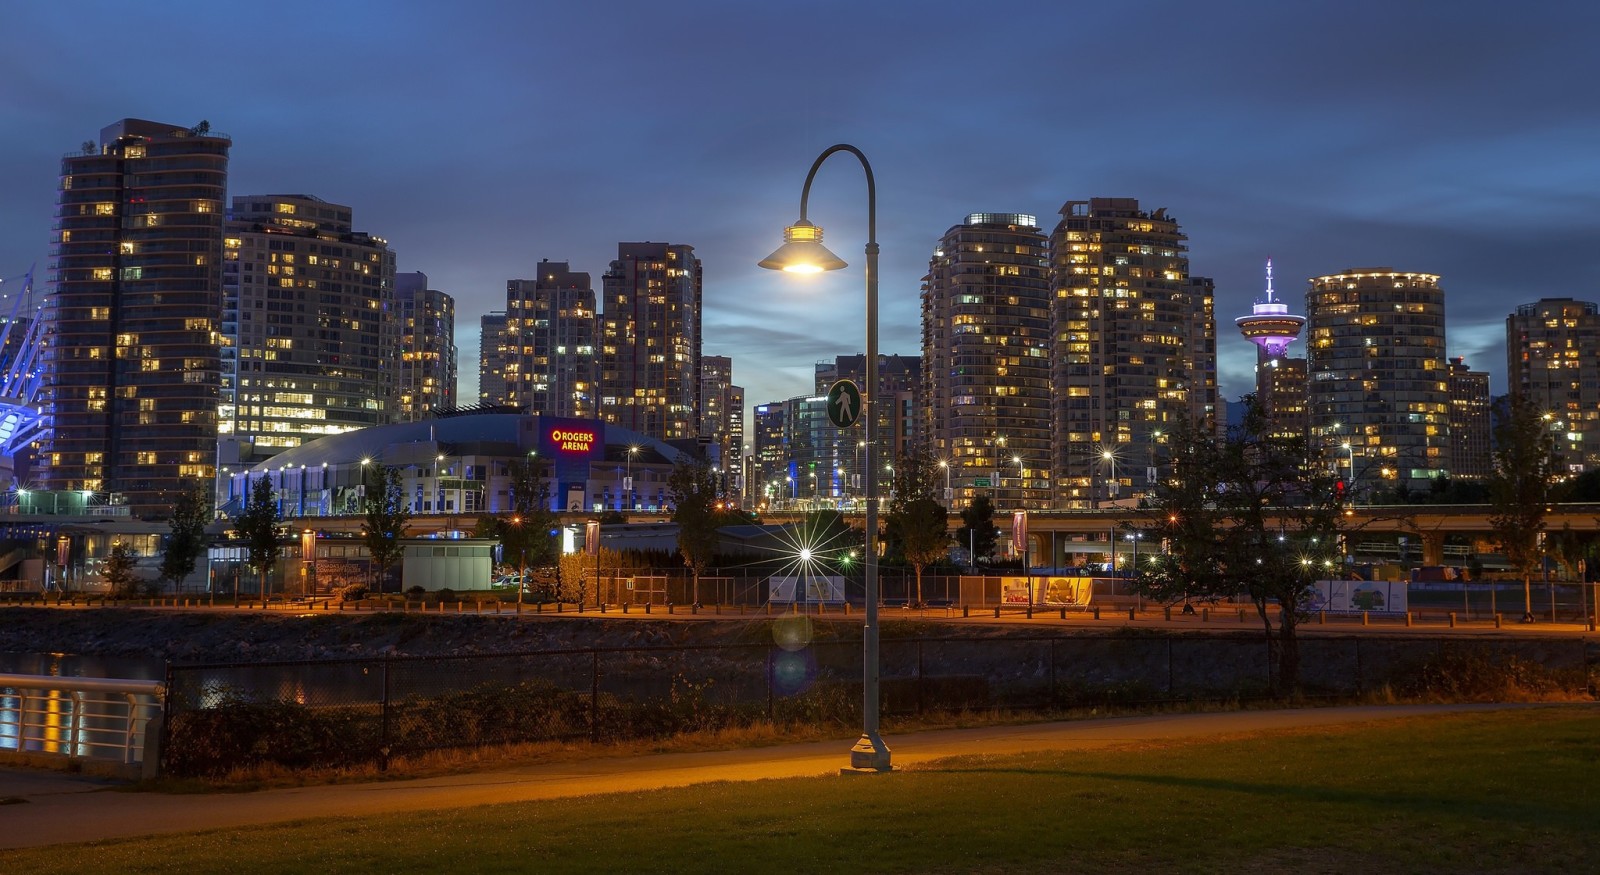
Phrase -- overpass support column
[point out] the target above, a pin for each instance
(1432, 548)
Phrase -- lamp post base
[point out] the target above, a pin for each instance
(869, 756)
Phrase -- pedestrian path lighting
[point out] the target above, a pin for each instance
(802, 252)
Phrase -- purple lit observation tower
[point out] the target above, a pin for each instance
(1269, 325)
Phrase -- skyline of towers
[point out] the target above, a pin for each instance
(1553, 357)
(1377, 373)
(650, 340)
(986, 355)
(133, 368)
(1135, 348)
(309, 335)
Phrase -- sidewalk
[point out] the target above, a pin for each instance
(53, 808)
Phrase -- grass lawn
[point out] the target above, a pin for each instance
(1496, 792)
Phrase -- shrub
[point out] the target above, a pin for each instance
(446, 595)
(1477, 674)
(353, 593)
(416, 592)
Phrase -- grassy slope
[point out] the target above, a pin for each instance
(1497, 792)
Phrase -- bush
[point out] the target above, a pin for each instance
(353, 593)
(1477, 674)
(416, 592)
(446, 595)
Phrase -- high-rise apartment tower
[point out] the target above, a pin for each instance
(986, 348)
(133, 364)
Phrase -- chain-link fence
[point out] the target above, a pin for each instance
(360, 711)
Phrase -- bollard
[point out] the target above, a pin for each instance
(694, 609)
(580, 607)
(1167, 613)
(1030, 611)
(341, 607)
(847, 609)
(1497, 622)
(1241, 615)
(1063, 613)
(647, 607)
(624, 607)
(671, 608)
(997, 612)
(602, 607)
(1205, 615)
(1097, 612)
(716, 609)
(1364, 617)
(1322, 618)
(966, 611)
(1408, 619)
(1130, 613)
(1452, 619)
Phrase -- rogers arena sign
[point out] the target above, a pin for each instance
(569, 441)
(572, 439)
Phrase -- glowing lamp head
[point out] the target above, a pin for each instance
(802, 251)
(805, 554)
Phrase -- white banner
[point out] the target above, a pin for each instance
(1359, 595)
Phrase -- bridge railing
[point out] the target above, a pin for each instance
(104, 719)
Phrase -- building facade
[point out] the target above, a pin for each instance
(1553, 357)
(986, 347)
(1375, 354)
(1471, 426)
(1135, 348)
(722, 418)
(492, 363)
(427, 380)
(550, 360)
(133, 356)
(311, 328)
(769, 460)
(650, 340)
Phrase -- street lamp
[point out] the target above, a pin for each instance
(945, 464)
(803, 252)
(627, 482)
(1111, 485)
(1022, 486)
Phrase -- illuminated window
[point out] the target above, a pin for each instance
(105, 208)
(102, 273)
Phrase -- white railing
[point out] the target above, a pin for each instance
(80, 718)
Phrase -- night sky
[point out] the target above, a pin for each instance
(1458, 138)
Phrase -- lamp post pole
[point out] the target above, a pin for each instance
(803, 252)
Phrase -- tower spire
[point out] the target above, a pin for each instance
(1269, 280)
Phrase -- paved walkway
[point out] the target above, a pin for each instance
(54, 808)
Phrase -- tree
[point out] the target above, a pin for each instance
(258, 525)
(384, 505)
(977, 528)
(1251, 515)
(187, 542)
(692, 488)
(1519, 487)
(118, 570)
(917, 527)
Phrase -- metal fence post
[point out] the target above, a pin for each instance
(383, 724)
(919, 676)
(594, 696)
(771, 713)
(165, 730)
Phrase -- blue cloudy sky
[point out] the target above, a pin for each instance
(1454, 138)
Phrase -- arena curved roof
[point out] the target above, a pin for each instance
(513, 429)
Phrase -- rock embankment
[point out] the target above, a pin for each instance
(204, 636)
